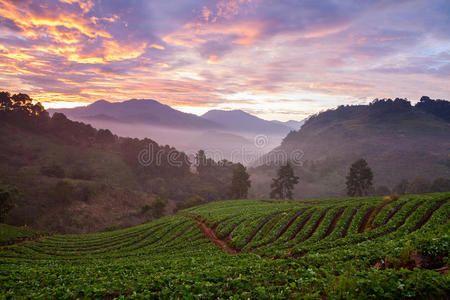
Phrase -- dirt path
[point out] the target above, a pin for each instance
(211, 235)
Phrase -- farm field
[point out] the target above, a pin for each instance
(346, 248)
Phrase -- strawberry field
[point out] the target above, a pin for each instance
(363, 248)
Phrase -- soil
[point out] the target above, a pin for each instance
(211, 235)
(336, 218)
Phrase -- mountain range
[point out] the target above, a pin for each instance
(229, 134)
(148, 111)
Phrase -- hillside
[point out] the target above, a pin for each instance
(318, 249)
(72, 178)
(398, 140)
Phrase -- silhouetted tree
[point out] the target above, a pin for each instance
(438, 107)
(359, 179)
(7, 198)
(282, 185)
(5, 101)
(240, 182)
(105, 136)
(200, 161)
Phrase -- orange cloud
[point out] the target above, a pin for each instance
(30, 24)
(85, 5)
(192, 34)
(213, 59)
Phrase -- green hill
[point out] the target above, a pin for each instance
(399, 141)
(349, 248)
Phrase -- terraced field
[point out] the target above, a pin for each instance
(329, 249)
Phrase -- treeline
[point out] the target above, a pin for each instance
(379, 109)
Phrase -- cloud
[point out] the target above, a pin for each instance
(192, 53)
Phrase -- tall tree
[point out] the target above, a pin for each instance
(359, 179)
(283, 185)
(240, 183)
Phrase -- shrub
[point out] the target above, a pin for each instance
(53, 171)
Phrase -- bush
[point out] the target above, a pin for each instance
(63, 192)
(53, 171)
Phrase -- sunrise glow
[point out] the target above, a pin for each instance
(237, 54)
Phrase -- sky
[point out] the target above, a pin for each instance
(278, 59)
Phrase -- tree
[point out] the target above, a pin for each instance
(5, 101)
(420, 185)
(63, 192)
(158, 207)
(381, 191)
(359, 179)
(7, 197)
(441, 185)
(240, 182)
(282, 185)
(105, 136)
(402, 187)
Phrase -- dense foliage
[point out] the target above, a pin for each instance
(317, 249)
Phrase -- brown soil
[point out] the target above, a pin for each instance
(349, 221)
(392, 213)
(336, 218)
(211, 235)
(283, 229)
(375, 212)
(258, 228)
(228, 233)
(300, 226)
(293, 254)
(429, 213)
(365, 219)
(317, 224)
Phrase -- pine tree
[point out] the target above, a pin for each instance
(282, 185)
(359, 179)
(240, 182)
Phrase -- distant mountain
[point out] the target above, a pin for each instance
(141, 111)
(240, 121)
(294, 125)
(228, 131)
(398, 140)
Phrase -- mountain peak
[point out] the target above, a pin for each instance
(239, 120)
